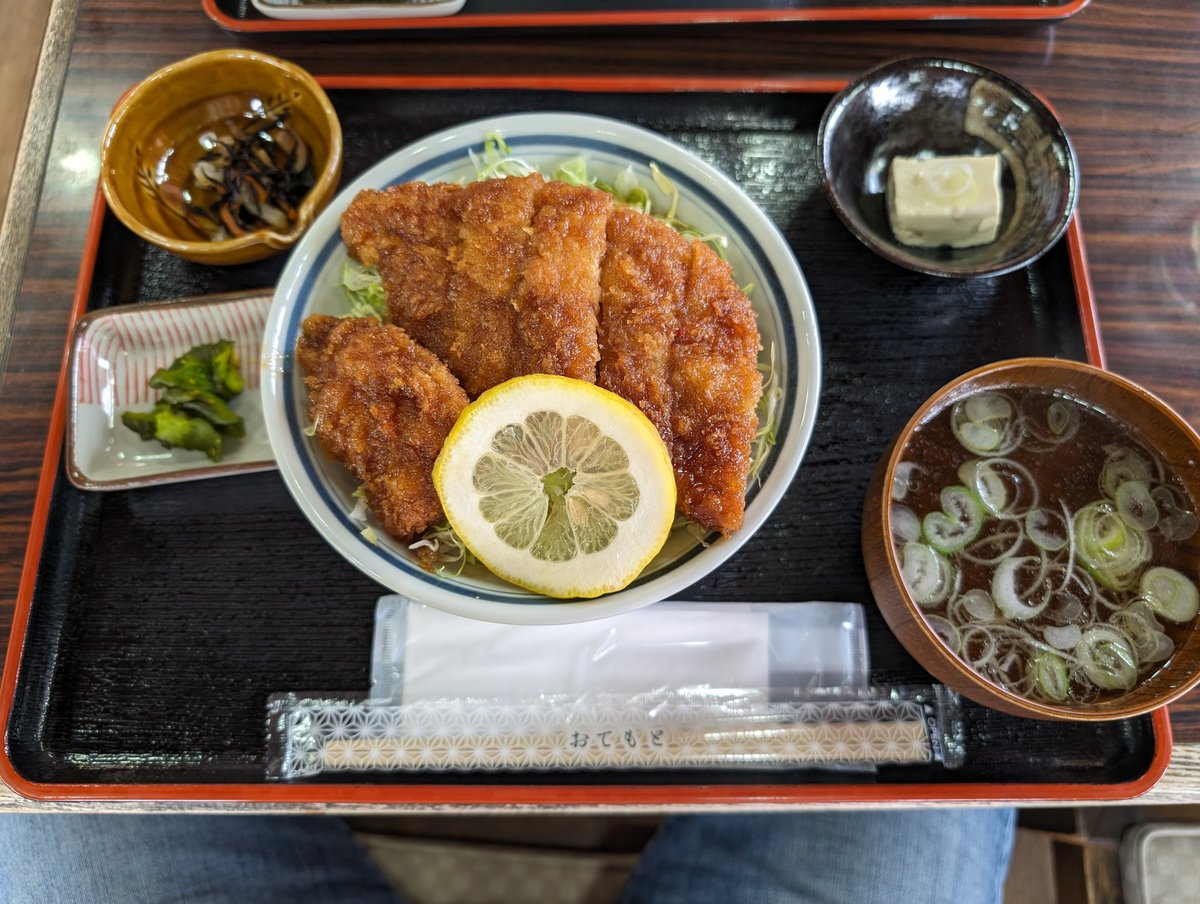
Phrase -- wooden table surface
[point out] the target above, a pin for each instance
(1123, 77)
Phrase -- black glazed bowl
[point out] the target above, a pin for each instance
(937, 106)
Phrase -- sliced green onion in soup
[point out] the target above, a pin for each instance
(1111, 550)
(1170, 594)
(1107, 658)
(947, 632)
(1136, 506)
(1062, 637)
(902, 480)
(1176, 522)
(1062, 600)
(957, 524)
(1007, 591)
(1062, 419)
(1051, 678)
(1123, 464)
(984, 424)
(1149, 641)
(906, 526)
(1005, 488)
(979, 605)
(1047, 529)
(927, 574)
(988, 407)
(987, 485)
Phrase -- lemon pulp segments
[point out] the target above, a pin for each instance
(557, 485)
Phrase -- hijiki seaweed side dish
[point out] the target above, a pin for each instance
(253, 172)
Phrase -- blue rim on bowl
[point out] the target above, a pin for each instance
(758, 253)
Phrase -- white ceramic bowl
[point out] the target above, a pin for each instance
(311, 283)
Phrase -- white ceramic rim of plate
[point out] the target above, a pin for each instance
(763, 242)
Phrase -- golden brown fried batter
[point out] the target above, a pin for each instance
(407, 232)
(487, 259)
(558, 300)
(506, 277)
(497, 278)
(678, 338)
(715, 388)
(642, 280)
(383, 406)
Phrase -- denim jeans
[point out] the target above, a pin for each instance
(914, 856)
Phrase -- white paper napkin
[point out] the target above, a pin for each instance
(447, 656)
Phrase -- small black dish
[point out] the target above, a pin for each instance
(917, 107)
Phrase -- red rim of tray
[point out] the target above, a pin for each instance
(546, 795)
(595, 18)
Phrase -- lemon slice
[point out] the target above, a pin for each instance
(557, 485)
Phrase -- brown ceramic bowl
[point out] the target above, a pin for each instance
(1159, 429)
(153, 138)
(922, 107)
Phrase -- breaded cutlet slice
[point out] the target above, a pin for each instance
(679, 339)
(715, 389)
(557, 302)
(406, 231)
(643, 279)
(497, 278)
(383, 406)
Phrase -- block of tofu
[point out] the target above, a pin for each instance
(937, 201)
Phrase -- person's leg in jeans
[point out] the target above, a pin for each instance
(115, 859)
(927, 856)
(916, 857)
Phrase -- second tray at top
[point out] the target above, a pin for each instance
(242, 16)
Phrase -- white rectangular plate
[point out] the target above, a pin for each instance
(113, 354)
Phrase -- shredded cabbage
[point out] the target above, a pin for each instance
(364, 289)
(497, 161)
(452, 553)
(770, 412)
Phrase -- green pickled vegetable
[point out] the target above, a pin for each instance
(193, 411)
(175, 429)
(207, 405)
(227, 376)
(212, 367)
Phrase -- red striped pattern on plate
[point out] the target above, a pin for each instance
(119, 353)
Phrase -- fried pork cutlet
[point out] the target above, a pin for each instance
(383, 406)
(497, 278)
(678, 338)
(408, 236)
(505, 277)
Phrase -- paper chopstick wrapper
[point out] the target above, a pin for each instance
(614, 732)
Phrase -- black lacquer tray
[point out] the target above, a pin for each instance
(156, 622)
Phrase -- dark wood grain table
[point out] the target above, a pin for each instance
(1123, 76)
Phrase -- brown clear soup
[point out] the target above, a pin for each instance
(1080, 578)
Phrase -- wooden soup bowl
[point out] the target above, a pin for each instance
(1147, 419)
